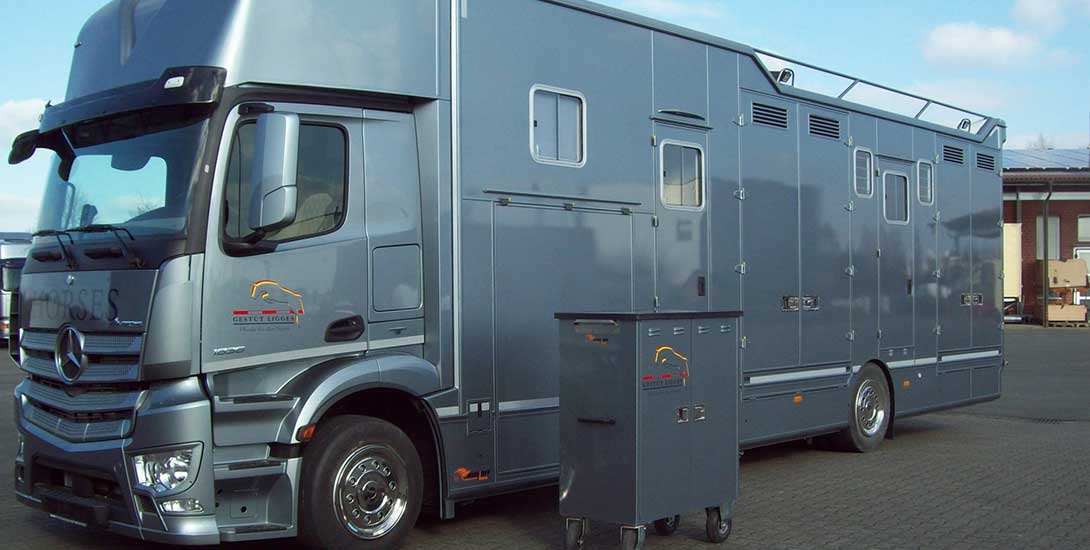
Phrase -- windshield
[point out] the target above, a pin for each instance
(121, 177)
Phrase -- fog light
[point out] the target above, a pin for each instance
(165, 471)
(182, 506)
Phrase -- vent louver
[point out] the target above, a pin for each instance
(985, 162)
(769, 115)
(953, 154)
(824, 127)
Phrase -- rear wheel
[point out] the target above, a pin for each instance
(667, 526)
(362, 485)
(870, 412)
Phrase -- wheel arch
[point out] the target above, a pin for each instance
(391, 388)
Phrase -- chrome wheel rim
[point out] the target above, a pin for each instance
(369, 492)
(870, 408)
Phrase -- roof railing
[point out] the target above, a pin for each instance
(788, 71)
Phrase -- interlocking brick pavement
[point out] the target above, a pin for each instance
(1000, 475)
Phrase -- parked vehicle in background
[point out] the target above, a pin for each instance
(307, 255)
(13, 250)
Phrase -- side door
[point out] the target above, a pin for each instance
(278, 304)
(896, 279)
(824, 236)
(681, 234)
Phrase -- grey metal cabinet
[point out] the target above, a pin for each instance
(648, 420)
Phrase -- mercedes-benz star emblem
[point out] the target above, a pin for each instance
(68, 356)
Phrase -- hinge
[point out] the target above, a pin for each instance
(937, 273)
(938, 216)
(741, 120)
(850, 336)
(999, 223)
(850, 207)
(851, 141)
(626, 211)
(740, 194)
(850, 271)
(656, 301)
(740, 268)
(938, 330)
(879, 334)
(1000, 276)
(504, 201)
(879, 252)
(744, 342)
(654, 140)
(569, 206)
(654, 221)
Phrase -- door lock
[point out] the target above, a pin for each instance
(682, 415)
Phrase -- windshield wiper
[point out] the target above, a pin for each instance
(69, 259)
(116, 230)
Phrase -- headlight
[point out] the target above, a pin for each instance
(165, 471)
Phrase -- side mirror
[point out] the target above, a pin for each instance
(23, 147)
(276, 152)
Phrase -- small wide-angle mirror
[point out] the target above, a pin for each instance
(276, 153)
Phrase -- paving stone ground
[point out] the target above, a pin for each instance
(1013, 473)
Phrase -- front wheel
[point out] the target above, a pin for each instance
(362, 485)
(716, 527)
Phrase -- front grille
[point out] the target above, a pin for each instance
(112, 357)
(101, 404)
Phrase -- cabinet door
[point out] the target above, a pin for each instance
(664, 436)
(713, 381)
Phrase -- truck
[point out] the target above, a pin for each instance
(296, 263)
(13, 248)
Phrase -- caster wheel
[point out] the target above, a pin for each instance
(717, 528)
(632, 538)
(574, 532)
(667, 526)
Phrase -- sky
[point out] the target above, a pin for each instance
(1025, 61)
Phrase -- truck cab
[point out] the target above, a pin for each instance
(229, 254)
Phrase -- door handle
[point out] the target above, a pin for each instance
(910, 286)
(345, 330)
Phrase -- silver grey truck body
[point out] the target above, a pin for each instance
(266, 215)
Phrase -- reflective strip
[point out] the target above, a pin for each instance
(911, 363)
(530, 404)
(295, 355)
(444, 412)
(968, 356)
(790, 376)
(396, 342)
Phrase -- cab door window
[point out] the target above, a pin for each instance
(322, 181)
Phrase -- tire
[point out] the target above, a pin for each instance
(573, 535)
(361, 485)
(869, 413)
(715, 527)
(630, 539)
(667, 526)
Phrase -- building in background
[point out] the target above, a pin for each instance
(1040, 183)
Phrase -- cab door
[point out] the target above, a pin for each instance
(681, 234)
(289, 301)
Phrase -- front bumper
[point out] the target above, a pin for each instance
(90, 483)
